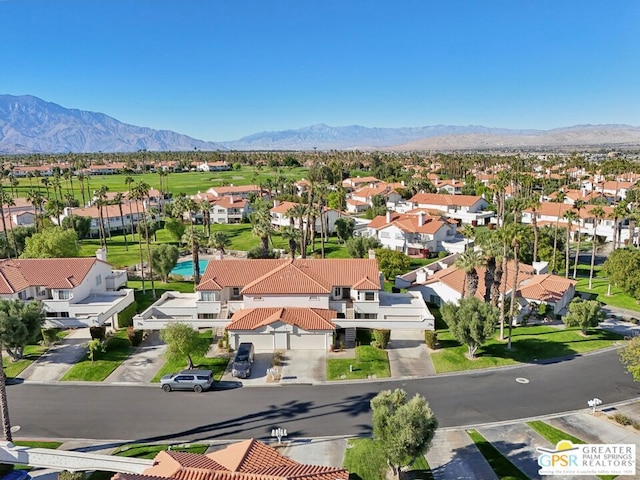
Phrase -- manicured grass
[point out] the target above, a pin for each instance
(118, 349)
(37, 444)
(600, 287)
(217, 364)
(369, 361)
(139, 450)
(505, 470)
(529, 344)
(365, 461)
(552, 434)
(31, 354)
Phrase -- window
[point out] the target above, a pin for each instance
(235, 292)
(207, 316)
(434, 299)
(64, 294)
(368, 316)
(98, 279)
(384, 234)
(22, 295)
(369, 296)
(208, 296)
(337, 291)
(40, 291)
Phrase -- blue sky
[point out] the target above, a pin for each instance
(222, 69)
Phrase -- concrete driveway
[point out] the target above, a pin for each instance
(55, 362)
(143, 363)
(261, 363)
(408, 354)
(304, 366)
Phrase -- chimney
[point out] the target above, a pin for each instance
(101, 254)
(421, 276)
(584, 192)
(421, 219)
(276, 203)
(389, 216)
(231, 198)
(372, 254)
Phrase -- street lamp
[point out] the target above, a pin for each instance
(594, 403)
(279, 433)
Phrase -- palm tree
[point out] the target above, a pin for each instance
(101, 198)
(292, 236)
(578, 205)
(195, 239)
(4, 404)
(81, 177)
(10, 202)
(519, 235)
(467, 232)
(262, 228)
(534, 204)
(134, 196)
(561, 195)
(141, 191)
(619, 213)
(570, 216)
(598, 214)
(219, 240)
(204, 207)
(491, 253)
(4, 198)
(467, 262)
(117, 200)
(36, 199)
(299, 211)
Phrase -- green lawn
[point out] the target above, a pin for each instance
(31, 354)
(600, 287)
(217, 364)
(505, 470)
(365, 461)
(529, 344)
(37, 444)
(369, 361)
(118, 349)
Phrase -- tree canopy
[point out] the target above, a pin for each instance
(164, 258)
(183, 342)
(358, 247)
(54, 242)
(583, 314)
(344, 228)
(20, 323)
(403, 428)
(622, 268)
(471, 322)
(630, 357)
(392, 263)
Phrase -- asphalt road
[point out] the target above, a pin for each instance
(105, 412)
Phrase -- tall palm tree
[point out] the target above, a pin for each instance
(36, 199)
(204, 207)
(578, 205)
(4, 404)
(467, 232)
(10, 202)
(4, 197)
(519, 235)
(492, 258)
(570, 216)
(620, 212)
(219, 241)
(292, 236)
(299, 211)
(101, 198)
(598, 214)
(141, 190)
(467, 262)
(560, 197)
(133, 196)
(262, 228)
(118, 200)
(195, 239)
(534, 204)
(81, 177)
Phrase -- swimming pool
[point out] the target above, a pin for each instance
(186, 268)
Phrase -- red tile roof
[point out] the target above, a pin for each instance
(305, 318)
(283, 276)
(65, 273)
(409, 223)
(248, 460)
(545, 288)
(445, 200)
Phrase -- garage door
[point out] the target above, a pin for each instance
(263, 341)
(307, 342)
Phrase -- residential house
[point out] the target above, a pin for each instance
(214, 167)
(112, 220)
(230, 209)
(75, 292)
(353, 183)
(586, 196)
(549, 213)
(446, 285)
(280, 217)
(450, 186)
(466, 208)
(243, 191)
(366, 194)
(412, 233)
(290, 304)
(247, 460)
(356, 206)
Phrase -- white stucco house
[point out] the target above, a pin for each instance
(290, 304)
(280, 217)
(75, 292)
(466, 208)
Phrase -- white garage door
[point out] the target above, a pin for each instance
(262, 341)
(307, 342)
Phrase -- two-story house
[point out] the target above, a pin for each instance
(229, 209)
(282, 216)
(243, 191)
(412, 234)
(466, 208)
(290, 304)
(75, 292)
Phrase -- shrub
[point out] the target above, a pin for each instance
(221, 343)
(622, 419)
(49, 336)
(98, 333)
(135, 336)
(95, 346)
(636, 425)
(382, 337)
(67, 475)
(374, 344)
(431, 338)
(125, 317)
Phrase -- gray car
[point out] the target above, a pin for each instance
(196, 380)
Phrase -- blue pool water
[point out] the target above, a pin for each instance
(186, 268)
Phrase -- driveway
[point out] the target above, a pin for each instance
(143, 363)
(55, 362)
(304, 366)
(408, 354)
(261, 363)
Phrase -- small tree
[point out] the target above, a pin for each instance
(54, 242)
(404, 429)
(20, 323)
(630, 357)
(583, 313)
(164, 258)
(96, 346)
(175, 227)
(183, 341)
(358, 247)
(381, 338)
(392, 263)
(472, 322)
(344, 228)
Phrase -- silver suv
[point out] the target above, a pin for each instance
(196, 380)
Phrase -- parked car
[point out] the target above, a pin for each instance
(196, 380)
(243, 361)
(16, 475)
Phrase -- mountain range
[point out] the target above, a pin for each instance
(31, 125)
